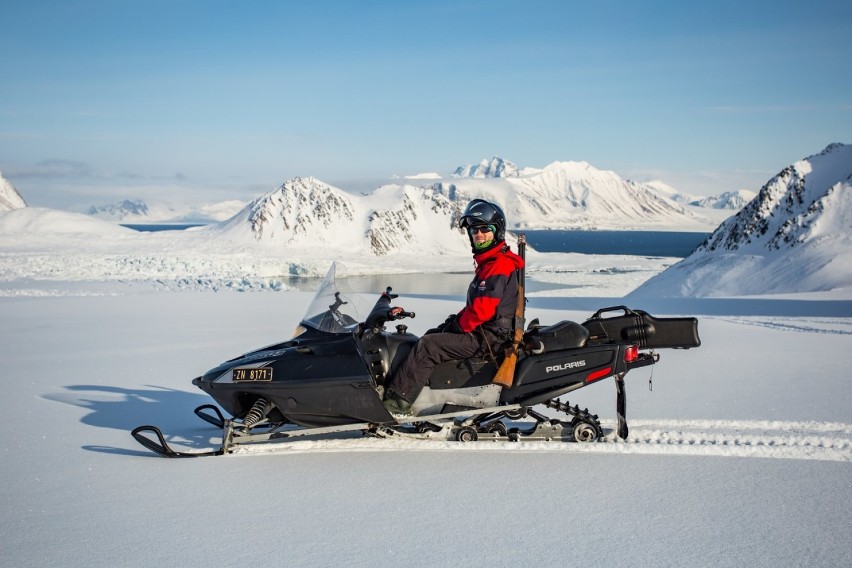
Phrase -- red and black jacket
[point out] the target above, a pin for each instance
(493, 293)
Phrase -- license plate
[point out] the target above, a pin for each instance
(254, 374)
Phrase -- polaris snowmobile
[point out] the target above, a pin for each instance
(329, 378)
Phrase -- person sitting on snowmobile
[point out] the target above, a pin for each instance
(483, 326)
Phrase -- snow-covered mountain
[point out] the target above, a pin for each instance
(562, 195)
(795, 236)
(9, 197)
(136, 211)
(125, 210)
(39, 223)
(733, 200)
(672, 193)
(496, 167)
(219, 211)
(307, 215)
(573, 195)
(715, 209)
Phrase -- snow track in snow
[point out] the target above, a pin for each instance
(840, 326)
(828, 441)
(741, 438)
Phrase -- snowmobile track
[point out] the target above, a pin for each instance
(826, 441)
(751, 438)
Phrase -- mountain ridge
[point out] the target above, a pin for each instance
(794, 236)
(305, 212)
(562, 195)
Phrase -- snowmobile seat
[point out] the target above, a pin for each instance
(563, 335)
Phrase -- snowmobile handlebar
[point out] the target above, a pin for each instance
(383, 311)
(395, 313)
(398, 313)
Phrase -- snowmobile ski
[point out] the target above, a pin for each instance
(160, 447)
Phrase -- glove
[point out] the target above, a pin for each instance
(394, 313)
(441, 326)
(452, 325)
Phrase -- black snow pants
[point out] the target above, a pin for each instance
(435, 348)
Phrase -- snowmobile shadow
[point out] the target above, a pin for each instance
(124, 409)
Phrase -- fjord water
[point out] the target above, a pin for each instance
(639, 243)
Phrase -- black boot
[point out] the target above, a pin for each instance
(396, 405)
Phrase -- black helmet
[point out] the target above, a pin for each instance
(481, 212)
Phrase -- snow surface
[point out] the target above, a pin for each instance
(740, 456)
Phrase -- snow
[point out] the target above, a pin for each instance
(740, 451)
(573, 195)
(734, 200)
(496, 167)
(739, 456)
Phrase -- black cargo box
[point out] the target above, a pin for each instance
(642, 329)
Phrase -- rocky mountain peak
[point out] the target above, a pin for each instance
(733, 200)
(119, 210)
(790, 205)
(793, 237)
(495, 168)
(9, 197)
(297, 209)
(306, 212)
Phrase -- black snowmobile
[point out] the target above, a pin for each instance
(330, 376)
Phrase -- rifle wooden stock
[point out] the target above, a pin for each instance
(505, 375)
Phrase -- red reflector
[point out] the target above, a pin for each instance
(599, 375)
(631, 353)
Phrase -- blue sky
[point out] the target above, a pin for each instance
(108, 99)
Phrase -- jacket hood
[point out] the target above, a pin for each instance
(501, 248)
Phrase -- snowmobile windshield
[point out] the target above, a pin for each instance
(333, 310)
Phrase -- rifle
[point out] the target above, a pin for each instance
(506, 373)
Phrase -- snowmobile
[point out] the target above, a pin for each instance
(329, 378)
